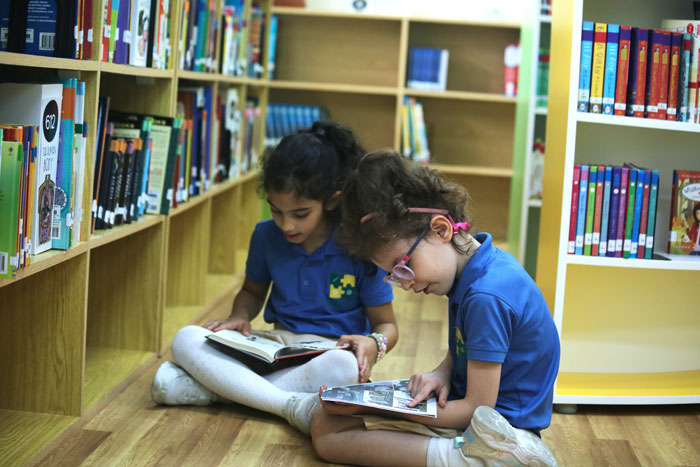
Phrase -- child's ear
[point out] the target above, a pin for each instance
(442, 228)
(334, 201)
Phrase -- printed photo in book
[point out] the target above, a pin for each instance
(263, 354)
(684, 237)
(391, 396)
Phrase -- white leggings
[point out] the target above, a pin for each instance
(232, 380)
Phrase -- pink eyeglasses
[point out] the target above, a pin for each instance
(400, 271)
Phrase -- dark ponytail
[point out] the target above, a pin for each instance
(313, 162)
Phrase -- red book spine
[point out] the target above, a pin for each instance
(663, 75)
(574, 208)
(623, 62)
(673, 72)
(641, 72)
(598, 208)
(106, 24)
(645, 213)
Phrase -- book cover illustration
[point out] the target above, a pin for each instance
(392, 396)
(684, 237)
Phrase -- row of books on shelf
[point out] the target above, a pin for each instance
(242, 42)
(53, 29)
(414, 138)
(427, 68)
(42, 169)
(134, 32)
(284, 119)
(640, 72)
(511, 67)
(613, 211)
(542, 89)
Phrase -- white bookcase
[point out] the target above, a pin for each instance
(629, 328)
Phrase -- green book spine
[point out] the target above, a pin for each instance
(590, 211)
(631, 194)
(11, 157)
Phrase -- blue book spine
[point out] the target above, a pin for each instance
(435, 55)
(581, 214)
(584, 80)
(603, 246)
(613, 211)
(209, 107)
(4, 24)
(653, 197)
(411, 68)
(609, 80)
(272, 46)
(638, 199)
(41, 29)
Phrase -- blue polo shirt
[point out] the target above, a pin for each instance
(322, 293)
(498, 314)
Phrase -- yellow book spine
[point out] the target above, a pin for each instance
(598, 67)
(405, 129)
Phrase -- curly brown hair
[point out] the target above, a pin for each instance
(386, 183)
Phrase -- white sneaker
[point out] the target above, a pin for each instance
(490, 437)
(300, 407)
(174, 386)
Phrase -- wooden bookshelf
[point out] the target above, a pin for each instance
(76, 323)
(629, 328)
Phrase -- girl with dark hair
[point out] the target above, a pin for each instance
(317, 291)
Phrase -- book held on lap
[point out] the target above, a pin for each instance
(268, 350)
(391, 396)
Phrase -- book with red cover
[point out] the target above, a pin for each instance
(684, 235)
(637, 73)
(574, 208)
(653, 80)
(673, 76)
(641, 243)
(86, 49)
(623, 62)
(663, 75)
(600, 181)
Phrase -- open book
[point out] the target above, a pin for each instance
(271, 352)
(391, 396)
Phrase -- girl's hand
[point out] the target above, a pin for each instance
(365, 349)
(422, 386)
(238, 324)
(338, 408)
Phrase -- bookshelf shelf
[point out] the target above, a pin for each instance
(9, 58)
(472, 170)
(681, 263)
(198, 76)
(21, 432)
(233, 79)
(541, 111)
(534, 203)
(462, 95)
(46, 261)
(333, 87)
(461, 22)
(629, 328)
(138, 71)
(294, 11)
(637, 122)
(103, 237)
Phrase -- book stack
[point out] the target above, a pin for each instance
(233, 38)
(542, 90)
(282, 120)
(414, 138)
(199, 29)
(684, 235)
(511, 66)
(613, 211)
(136, 32)
(196, 107)
(427, 69)
(640, 72)
(41, 170)
(51, 29)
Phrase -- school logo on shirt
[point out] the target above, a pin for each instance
(342, 285)
(460, 347)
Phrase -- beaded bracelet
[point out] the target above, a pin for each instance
(381, 344)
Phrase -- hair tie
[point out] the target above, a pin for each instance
(455, 225)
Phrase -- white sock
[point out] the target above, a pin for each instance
(224, 375)
(334, 368)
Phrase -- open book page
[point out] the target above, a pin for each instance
(387, 395)
(307, 347)
(256, 345)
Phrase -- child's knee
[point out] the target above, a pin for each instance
(344, 365)
(186, 338)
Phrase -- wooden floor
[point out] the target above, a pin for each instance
(127, 429)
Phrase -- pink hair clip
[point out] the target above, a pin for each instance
(455, 225)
